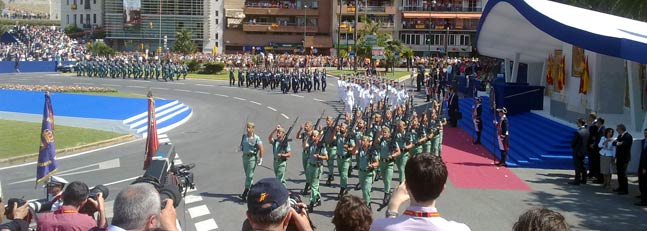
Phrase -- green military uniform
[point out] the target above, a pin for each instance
(331, 149)
(401, 160)
(344, 157)
(250, 150)
(314, 170)
(386, 165)
(427, 131)
(280, 163)
(304, 154)
(437, 141)
(414, 136)
(366, 174)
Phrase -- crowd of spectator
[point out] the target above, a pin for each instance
(41, 43)
(10, 13)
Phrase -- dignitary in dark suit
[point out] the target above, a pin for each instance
(642, 171)
(452, 106)
(593, 151)
(477, 112)
(623, 156)
(579, 144)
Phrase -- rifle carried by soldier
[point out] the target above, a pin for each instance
(284, 143)
(316, 127)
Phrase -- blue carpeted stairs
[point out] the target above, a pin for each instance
(535, 141)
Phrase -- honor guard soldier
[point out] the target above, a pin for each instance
(345, 148)
(316, 158)
(315, 77)
(282, 151)
(323, 80)
(502, 132)
(477, 111)
(368, 162)
(331, 149)
(240, 77)
(252, 148)
(247, 79)
(232, 80)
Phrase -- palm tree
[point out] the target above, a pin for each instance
(184, 44)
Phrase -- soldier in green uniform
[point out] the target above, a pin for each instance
(304, 134)
(368, 162)
(417, 137)
(316, 158)
(345, 147)
(403, 141)
(388, 151)
(331, 149)
(251, 146)
(282, 151)
(440, 122)
(425, 127)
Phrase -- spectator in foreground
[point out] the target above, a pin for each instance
(137, 207)
(425, 175)
(352, 214)
(541, 219)
(268, 208)
(75, 196)
(17, 216)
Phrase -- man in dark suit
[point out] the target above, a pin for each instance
(452, 105)
(579, 146)
(477, 113)
(623, 156)
(593, 151)
(642, 172)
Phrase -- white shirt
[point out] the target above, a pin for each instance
(410, 223)
(350, 99)
(607, 149)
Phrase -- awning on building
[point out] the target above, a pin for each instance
(534, 28)
(441, 15)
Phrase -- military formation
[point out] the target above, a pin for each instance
(135, 69)
(374, 140)
(284, 79)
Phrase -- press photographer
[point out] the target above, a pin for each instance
(17, 214)
(269, 207)
(137, 207)
(75, 197)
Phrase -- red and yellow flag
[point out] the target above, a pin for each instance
(561, 76)
(586, 78)
(549, 71)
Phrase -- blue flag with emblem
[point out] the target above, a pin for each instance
(47, 164)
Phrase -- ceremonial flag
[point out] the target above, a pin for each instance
(151, 140)
(561, 75)
(549, 71)
(47, 164)
(584, 80)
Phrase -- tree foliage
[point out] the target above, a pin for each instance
(73, 31)
(384, 39)
(184, 44)
(634, 9)
(100, 49)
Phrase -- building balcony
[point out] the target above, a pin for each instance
(384, 10)
(441, 9)
(280, 11)
(276, 28)
(441, 15)
(427, 27)
(440, 48)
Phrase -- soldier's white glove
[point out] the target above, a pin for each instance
(259, 162)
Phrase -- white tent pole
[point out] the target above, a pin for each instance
(506, 66)
(515, 67)
(634, 95)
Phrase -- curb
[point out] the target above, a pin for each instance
(68, 151)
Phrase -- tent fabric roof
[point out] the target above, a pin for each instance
(534, 28)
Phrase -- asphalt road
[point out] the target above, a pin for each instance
(210, 139)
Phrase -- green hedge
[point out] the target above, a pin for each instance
(212, 68)
(34, 22)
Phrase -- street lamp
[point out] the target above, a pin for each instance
(305, 25)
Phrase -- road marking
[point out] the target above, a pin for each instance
(221, 95)
(254, 102)
(121, 181)
(206, 225)
(177, 224)
(202, 92)
(110, 85)
(135, 86)
(182, 90)
(164, 140)
(191, 189)
(319, 100)
(160, 136)
(271, 108)
(159, 88)
(284, 116)
(204, 85)
(300, 96)
(198, 211)
(239, 98)
(192, 198)
(114, 163)
(228, 86)
(83, 83)
(176, 83)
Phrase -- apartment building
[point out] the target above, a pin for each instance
(287, 26)
(85, 14)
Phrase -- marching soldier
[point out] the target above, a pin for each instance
(240, 77)
(316, 158)
(368, 162)
(331, 149)
(304, 134)
(282, 151)
(405, 142)
(232, 80)
(252, 148)
(388, 151)
(345, 147)
(323, 80)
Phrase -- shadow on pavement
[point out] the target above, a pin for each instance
(224, 197)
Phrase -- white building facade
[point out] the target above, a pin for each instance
(85, 14)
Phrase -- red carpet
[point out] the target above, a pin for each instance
(472, 166)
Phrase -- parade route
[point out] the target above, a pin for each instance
(211, 136)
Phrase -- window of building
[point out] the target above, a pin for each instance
(216, 35)
(67, 19)
(94, 2)
(180, 24)
(452, 39)
(87, 4)
(75, 19)
(94, 17)
(68, 3)
(87, 19)
(80, 19)
(216, 13)
(216, 21)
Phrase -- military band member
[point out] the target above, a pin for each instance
(503, 138)
(368, 162)
(316, 158)
(345, 147)
(252, 148)
(282, 151)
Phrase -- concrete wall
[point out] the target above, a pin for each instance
(38, 66)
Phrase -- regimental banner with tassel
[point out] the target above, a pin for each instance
(586, 78)
(561, 76)
(47, 164)
(549, 71)
(151, 140)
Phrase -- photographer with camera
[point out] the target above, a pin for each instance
(138, 207)
(75, 198)
(17, 214)
(270, 208)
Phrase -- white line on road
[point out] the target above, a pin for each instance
(300, 96)
(239, 98)
(221, 95)
(285, 116)
(182, 90)
(83, 83)
(135, 86)
(202, 92)
(319, 100)
(206, 225)
(198, 211)
(110, 85)
(254, 102)
(177, 224)
(121, 181)
(160, 136)
(192, 198)
(159, 88)
(176, 83)
(271, 108)
(164, 140)
(204, 85)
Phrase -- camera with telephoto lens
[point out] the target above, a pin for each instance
(294, 201)
(35, 206)
(171, 180)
